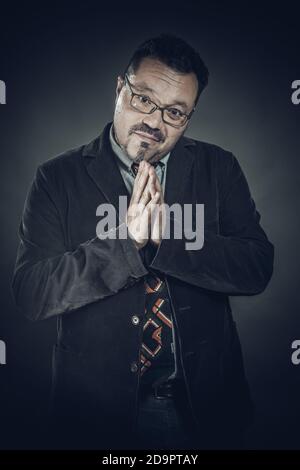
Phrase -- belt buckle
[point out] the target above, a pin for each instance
(163, 391)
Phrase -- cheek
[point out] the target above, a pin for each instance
(172, 138)
(124, 118)
(120, 108)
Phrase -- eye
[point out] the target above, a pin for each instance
(174, 113)
(144, 99)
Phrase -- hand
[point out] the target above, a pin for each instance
(158, 223)
(143, 201)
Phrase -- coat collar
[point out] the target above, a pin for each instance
(101, 164)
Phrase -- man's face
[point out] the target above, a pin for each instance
(147, 136)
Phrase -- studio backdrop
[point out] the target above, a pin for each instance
(59, 64)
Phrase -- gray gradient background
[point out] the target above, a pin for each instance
(60, 65)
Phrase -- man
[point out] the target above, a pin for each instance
(147, 352)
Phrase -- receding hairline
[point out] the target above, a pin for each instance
(142, 86)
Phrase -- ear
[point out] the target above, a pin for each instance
(120, 83)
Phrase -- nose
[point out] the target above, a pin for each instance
(154, 119)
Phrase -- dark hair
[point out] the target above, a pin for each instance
(173, 52)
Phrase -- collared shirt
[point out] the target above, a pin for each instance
(124, 164)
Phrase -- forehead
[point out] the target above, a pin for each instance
(165, 83)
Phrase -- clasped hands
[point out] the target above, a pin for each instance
(146, 215)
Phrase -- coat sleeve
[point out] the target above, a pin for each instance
(238, 260)
(48, 280)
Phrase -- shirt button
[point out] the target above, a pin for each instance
(134, 367)
(135, 319)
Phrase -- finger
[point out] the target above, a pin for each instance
(158, 187)
(145, 198)
(146, 195)
(140, 169)
(152, 183)
(152, 204)
(139, 186)
(149, 188)
(157, 183)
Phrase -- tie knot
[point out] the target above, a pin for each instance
(135, 167)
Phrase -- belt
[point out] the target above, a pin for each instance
(162, 391)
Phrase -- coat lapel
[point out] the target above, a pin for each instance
(101, 164)
(178, 172)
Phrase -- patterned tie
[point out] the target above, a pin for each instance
(157, 355)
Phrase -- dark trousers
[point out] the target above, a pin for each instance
(169, 424)
(165, 423)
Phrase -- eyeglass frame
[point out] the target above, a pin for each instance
(162, 109)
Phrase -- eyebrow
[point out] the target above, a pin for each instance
(143, 87)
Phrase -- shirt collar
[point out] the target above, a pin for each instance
(127, 162)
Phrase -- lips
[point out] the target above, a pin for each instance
(147, 136)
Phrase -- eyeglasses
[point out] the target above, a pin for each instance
(172, 116)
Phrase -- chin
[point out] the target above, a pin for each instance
(139, 154)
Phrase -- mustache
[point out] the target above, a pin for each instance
(147, 130)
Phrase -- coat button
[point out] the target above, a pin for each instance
(134, 367)
(135, 319)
